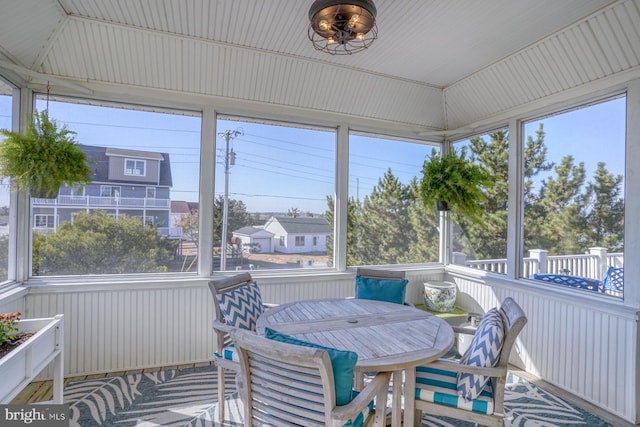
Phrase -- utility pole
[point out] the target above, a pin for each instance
(228, 135)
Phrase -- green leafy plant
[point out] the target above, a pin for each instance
(43, 158)
(8, 327)
(454, 183)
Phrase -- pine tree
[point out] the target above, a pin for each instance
(605, 216)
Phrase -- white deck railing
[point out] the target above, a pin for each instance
(592, 265)
(114, 202)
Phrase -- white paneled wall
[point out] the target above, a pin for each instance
(133, 326)
(586, 348)
(12, 301)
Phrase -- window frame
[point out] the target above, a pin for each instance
(519, 239)
(208, 148)
(131, 171)
(47, 226)
(112, 194)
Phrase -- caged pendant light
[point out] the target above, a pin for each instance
(342, 27)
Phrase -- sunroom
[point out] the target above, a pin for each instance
(256, 126)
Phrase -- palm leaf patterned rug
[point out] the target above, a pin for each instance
(188, 397)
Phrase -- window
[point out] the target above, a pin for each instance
(315, 241)
(76, 190)
(278, 184)
(386, 221)
(484, 245)
(5, 228)
(299, 240)
(109, 219)
(44, 221)
(134, 167)
(574, 196)
(109, 191)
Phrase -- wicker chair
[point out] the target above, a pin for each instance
(436, 382)
(285, 384)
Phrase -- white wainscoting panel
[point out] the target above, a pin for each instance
(575, 345)
(135, 327)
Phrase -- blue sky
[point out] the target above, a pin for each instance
(278, 168)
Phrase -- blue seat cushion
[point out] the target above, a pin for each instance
(242, 307)
(484, 351)
(343, 364)
(440, 386)
(566, 280)
(389, 290)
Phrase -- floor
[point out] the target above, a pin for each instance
(42, 391)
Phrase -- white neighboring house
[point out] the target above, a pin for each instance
(296, 235)
(255, 235)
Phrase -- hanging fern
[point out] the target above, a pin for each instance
(455, 181)
(43, 158)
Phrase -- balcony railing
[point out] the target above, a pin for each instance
(592, 265)
(114, 202)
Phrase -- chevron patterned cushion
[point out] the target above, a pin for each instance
(242, 307)
(484, 351)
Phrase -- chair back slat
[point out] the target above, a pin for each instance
(514, 320)
(380, 274)
(285, 384)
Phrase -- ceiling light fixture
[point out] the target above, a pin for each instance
(342, 27)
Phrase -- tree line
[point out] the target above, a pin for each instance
(563, 212)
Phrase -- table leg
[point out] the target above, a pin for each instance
(396, 399)
(409, 396)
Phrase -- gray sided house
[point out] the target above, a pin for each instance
(295, 235)
(254, 239)
(124, 182)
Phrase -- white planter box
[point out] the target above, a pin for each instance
(22, 365)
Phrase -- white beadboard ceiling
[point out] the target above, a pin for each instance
(436, 64)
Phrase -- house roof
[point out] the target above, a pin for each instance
(138, 154)
(302, 225)
(99, 162)
(446, 65)
(180, 207)
(251, 230)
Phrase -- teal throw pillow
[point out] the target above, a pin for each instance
(343, 363)
(389, 290)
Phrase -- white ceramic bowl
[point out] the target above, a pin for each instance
(440, 296)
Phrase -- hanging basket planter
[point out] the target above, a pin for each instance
(453, 183)
(43, 158)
